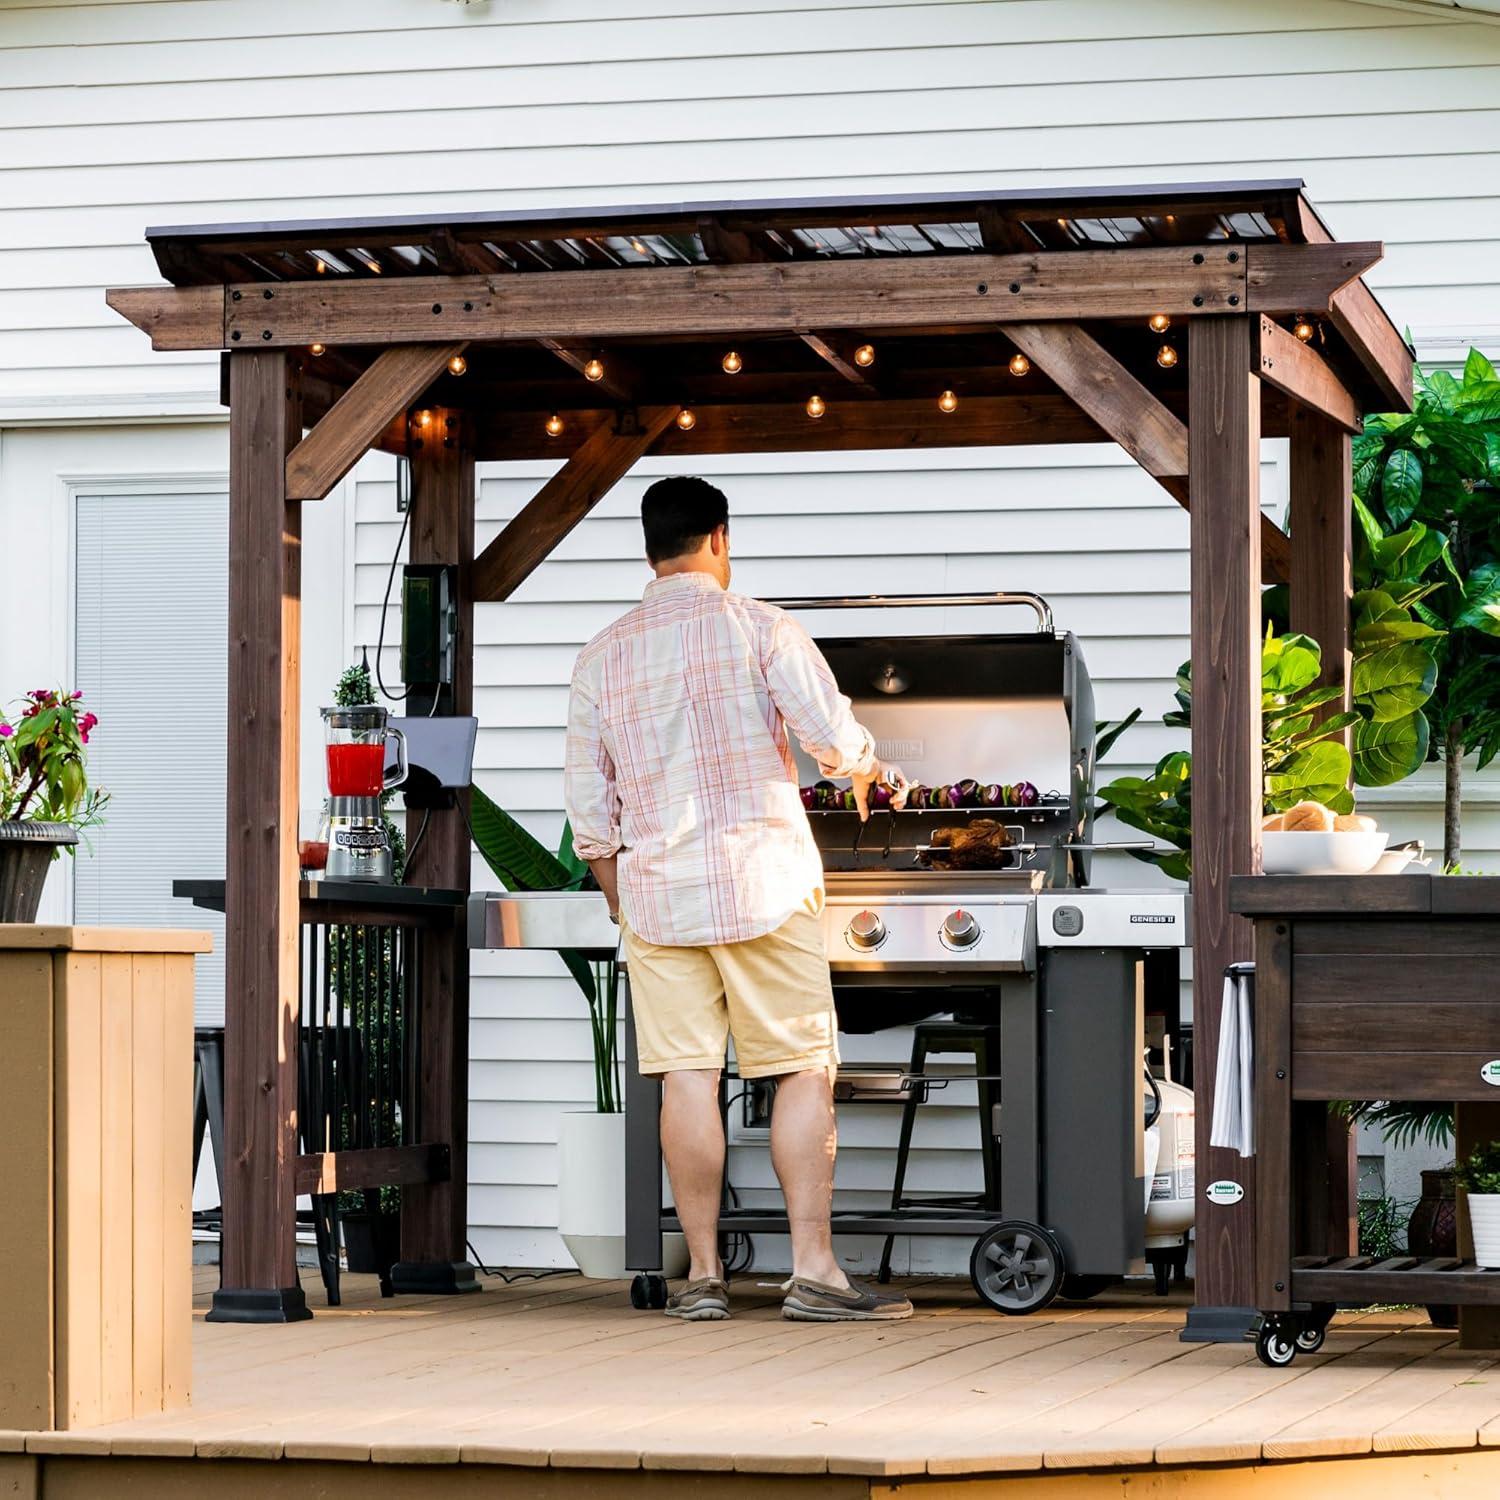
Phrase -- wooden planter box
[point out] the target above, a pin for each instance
(96, 1077)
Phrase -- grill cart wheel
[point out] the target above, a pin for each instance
(1315, 1327)
(648, 1290)
(1277, 1342)
(1017, 1267)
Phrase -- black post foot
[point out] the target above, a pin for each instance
(1218, 1325)
(434, 1278)
(259, 1305)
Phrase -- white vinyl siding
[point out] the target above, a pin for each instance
(187, 111)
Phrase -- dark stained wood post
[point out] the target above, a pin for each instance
(1321, 515)
(258, 1274)
(1224, 500)
(434, 1216)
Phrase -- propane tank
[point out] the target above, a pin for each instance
(1171, 1168)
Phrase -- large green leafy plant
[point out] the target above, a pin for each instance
(1302, 755)
(1428, 488)
(522, 863)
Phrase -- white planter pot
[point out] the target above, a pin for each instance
(591, 1197)
(1484, 1219)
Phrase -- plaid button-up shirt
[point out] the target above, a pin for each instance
(678, 760)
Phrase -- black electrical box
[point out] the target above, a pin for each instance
(429, 629)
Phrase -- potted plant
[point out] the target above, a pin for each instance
(590, 1143)
(1479, 1176)
(45, 799)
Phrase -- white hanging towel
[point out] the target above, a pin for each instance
(1234, 1105)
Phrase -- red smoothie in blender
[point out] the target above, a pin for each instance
(356, 770)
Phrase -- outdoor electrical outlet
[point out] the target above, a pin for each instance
(759, 1092)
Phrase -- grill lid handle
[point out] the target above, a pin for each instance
(914, 601)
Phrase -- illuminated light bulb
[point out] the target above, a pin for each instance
(424, 419)
(457, 365)
(1166, 356)
(948, 402)
(554, 425)
(732, 363)
(320, 263)
(1303, 330)
(865, 355)
(686, 420)
(1019, 365)
(1159, 323)
(316, 349)
(816, 406)
(594, 370)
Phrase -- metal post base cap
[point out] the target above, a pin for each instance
(284, 1304)
(442, 1278)
(1218, 1325)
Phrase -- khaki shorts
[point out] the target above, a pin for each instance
(771, 993)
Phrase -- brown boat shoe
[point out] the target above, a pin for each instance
(705, 1301)
(815, 1302)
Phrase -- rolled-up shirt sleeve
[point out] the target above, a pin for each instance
(809, 700)
(590, 797)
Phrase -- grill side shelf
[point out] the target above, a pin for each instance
(1358, 1281)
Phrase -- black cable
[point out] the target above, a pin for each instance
(416, 843)
(385, 604)
(513, 1276)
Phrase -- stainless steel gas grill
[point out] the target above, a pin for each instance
(975, 924)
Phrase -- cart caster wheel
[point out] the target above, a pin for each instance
(648, 1291)
(1017, 1267)
(1310, 1340)
(1276, 1345)
(1079, 1288)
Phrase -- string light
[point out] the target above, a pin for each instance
(554, 425)
(1303, 330)
(638, 247)
(948, 402)
(1159, 323)
(864, 356)
(732, 363)
(320, 263)
(1019, 364)
(686, 420)
(816, 406)
(594, 369)
(1166, 356)
(457, 365)
(423, 419)
(316, 349)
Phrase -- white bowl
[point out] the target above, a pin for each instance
(1307, 853)
(1402, 857)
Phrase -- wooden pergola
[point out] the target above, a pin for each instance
(597, 336)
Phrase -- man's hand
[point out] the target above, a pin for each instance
(880, 774)
(606, 872)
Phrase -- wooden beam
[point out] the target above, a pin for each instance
(1275, 545)
(1108, 392)
(603, 459)
(845, 367)
(262, 906)
(621, 381)
(189, 317)
(1320, 516)
(1224, 481)
(383, 1166)
(1302, 373)
(911, 292)
(434, 1216)
(1304, 278)
(358, 418)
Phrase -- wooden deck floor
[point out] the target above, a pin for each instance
(562, 1373)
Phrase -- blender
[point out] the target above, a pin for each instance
(358, 847)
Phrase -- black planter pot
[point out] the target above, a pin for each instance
(372, 1242)
(26, 851)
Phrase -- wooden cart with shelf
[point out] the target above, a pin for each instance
(1367, 987)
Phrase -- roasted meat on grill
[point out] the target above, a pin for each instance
(980, 844)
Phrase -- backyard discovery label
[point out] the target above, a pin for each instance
(1224, 1192)
(1490, 1072)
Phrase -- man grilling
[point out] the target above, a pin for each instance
(683, 798)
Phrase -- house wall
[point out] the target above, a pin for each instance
(115, 116)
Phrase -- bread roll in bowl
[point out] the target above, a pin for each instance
(1353, 823)
(1273, 823)
(1309, 817)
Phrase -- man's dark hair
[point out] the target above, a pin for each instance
(677, 513)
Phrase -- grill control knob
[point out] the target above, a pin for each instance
(960, 930)
(866, 930)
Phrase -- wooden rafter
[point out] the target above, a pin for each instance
(357, 419)
(603, 459)
(835, 358)
(1302, 373)
(620, 381)
(1154, 436)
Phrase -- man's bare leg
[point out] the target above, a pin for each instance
(692, 1141)
(804, 1141)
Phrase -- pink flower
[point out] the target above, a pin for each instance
(78, 693)
(5, 731)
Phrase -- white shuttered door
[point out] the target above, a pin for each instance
(151, 649)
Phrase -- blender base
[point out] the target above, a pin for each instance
(434, 1278)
